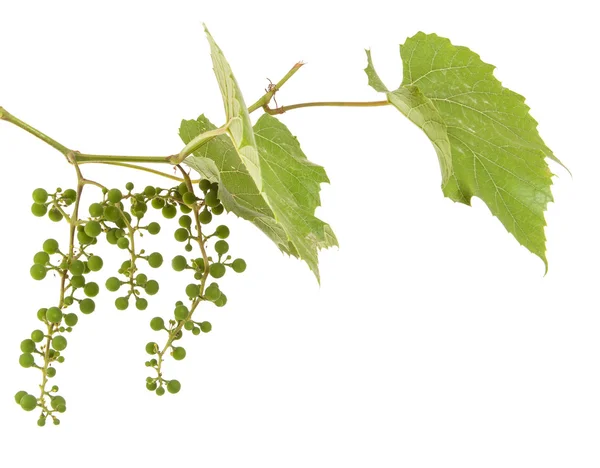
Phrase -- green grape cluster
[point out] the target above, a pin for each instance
(118, 218)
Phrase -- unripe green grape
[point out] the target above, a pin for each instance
(158, 203)
(205, 327)
(69, 195)
(214, 186)
(153, 362)
(181, 312)
(178, 353)
(126, 266)
(169, 211)
(181, 235)
(160, 391)
(192, 290)
(71, 319)
(113, 284)
(182, 188)
(55, 215)
(37, 336)
(96, 210)
(239, 265)
(141, 303)
(188, 248)
(56, 421)
(26, 360)
(204, 216)
(217, 270)
(50, 246)
(77, 281)
(111, 236)
(28, 402)
(41, 258)
(37, 272)
(189, 325)
(57, 401)
(204, 185)
(149, 191)
(155, 260)
(20, 394)
(41, 422)
(211, 199)
(123, 242)
(60, 359)
(38, 210)
(121, 303)
(87, 306)
(189, 198)
(221, 301)
(114, 195)
(212, 293)
(77, 267)
(51, 372)
(129, 186)
(153, 228)
(222, 232)
(141, 279)
(217, 210)
(95, 263)
(27, 346)
(91, 289)
(83, 238)
(151, 287)
(185, 221)
(151, 348)
(179, 263)
(139, 209)
(157, 324)
(112, 213)
(41, 314)
(93, 228)
(195, 331)
(39, 195)
(151, 386)
(221, 247)
(59, 343)
(185, 209)
(173, 386)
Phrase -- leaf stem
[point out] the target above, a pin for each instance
(282, 109)
(139, 168)
(273, 88)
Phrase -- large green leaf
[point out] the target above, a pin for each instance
(486, 140)
(284, 210)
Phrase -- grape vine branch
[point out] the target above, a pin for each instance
(486, 142)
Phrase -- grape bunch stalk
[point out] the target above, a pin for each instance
(118, 217)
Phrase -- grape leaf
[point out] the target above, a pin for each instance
(284, 210)
(486, 140)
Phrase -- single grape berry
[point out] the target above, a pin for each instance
(37, 336)
(93, 228)
(91, 289)
(155, 260)
(114, 195)
(217, 210)
(195, 331)
(27, 346)
(95, 263)
(26, 360)
(153, 228)
(169, 211)
(96, 210)
(173, 386)
(71, 319)
(205, 327)
(160, 391)
(20, 394)
(57, 402)
(129, 186)
(188, 248)
(113, 284)
(141, 303)
(87, 306)
(38, 210)
(141, 279)
(123, 242)
(121, 303)
(221, 247)
(83, 238)
(211, 199)
(179, 263)
(222, 232)
(151, 348)
(204, 216)
(189, 325)
(39, 195)
(221, 301)
(217, 270)
(158, 203)
(181, 235)
(77, 267)
(192, 290)
(69, 196)
(41, 258)
(51, 372)
(50, 246)
(179, 353)
(204, 185)
(182, 188)
(77, 281)
(112, 213)
(181, 312)
(28, 402)
(157, 324)
(59, 343)
(189, 198)
(151, 287)
(149, 191)
(212, 293)
(37, 272)
(239, 265)
(55, 215)
(185, 221)
(151, 386)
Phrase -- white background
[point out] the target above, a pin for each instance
(434, 340)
